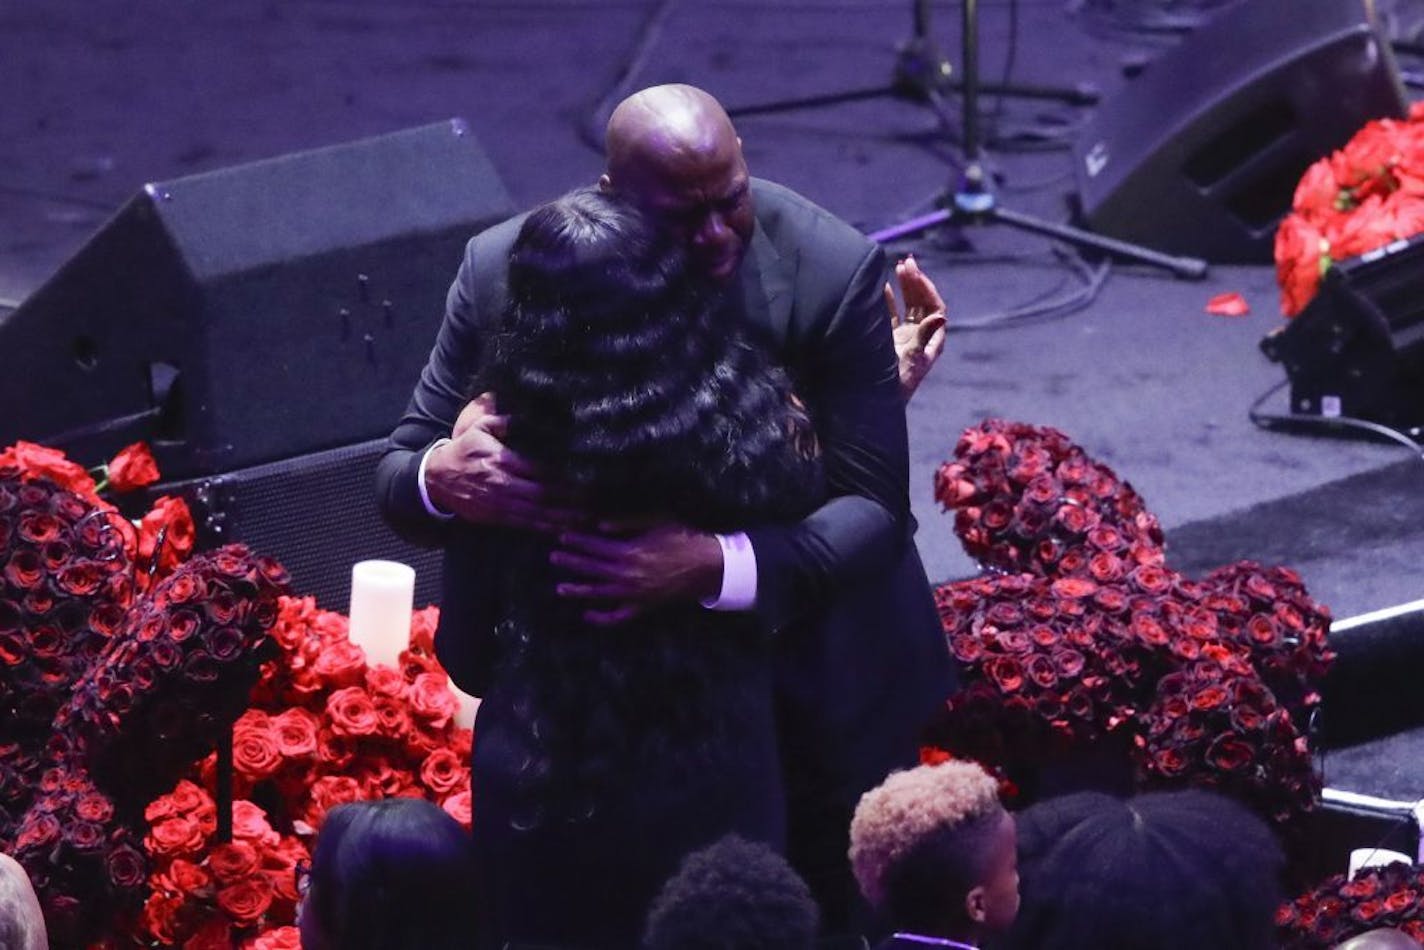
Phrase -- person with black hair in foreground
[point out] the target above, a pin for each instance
(393, 874)
(733, 895)
(1160, 871)
(603, 755)
(934, 853)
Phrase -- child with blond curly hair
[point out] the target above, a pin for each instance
(934, 852)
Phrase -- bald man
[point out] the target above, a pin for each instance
(861, 658)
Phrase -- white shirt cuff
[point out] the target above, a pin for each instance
(739, 574)
(420, 483)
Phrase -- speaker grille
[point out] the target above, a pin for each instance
(315, 513)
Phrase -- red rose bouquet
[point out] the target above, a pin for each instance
(1214, 722)
(1100, 646)
(1364, 196)
(65, 583)
(86, 865)
(1026, 498)
(1390, 896)
(175, 677)
(323, 728)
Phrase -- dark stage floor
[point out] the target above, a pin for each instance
(104, 98)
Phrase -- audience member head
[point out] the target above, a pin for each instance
(1385, 938)
(933, 851)
(672, 151)
(390, 874)
(733, 895)
(22, 925)
(1160, 871)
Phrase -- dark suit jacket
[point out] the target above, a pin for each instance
(862, 659)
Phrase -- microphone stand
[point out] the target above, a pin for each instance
(972, 199)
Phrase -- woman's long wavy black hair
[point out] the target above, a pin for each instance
(624, 383)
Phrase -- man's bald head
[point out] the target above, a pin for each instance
(673, 152)
(664, 121)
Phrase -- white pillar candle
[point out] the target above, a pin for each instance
(382, 593)
(469, 705)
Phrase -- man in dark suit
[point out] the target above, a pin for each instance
(861, 658)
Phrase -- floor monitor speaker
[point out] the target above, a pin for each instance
(253, 313)
(1200, 153)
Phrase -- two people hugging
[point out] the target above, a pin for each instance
(679, 565)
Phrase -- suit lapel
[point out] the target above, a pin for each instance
(765, 278)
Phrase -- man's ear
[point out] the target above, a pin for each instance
(605, 184)
(974, 904)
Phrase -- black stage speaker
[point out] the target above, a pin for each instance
(315, 513)
(1357, 349)
(1201, 153)
(254, 313)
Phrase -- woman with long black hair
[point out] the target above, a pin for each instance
(604, 754)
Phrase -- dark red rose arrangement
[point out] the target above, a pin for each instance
(1390, 896)
(324, 727)
(87, 866)
(175, 675)
(70, 567)
(1026, 498)
(1096, 644)
(1362, 197)
(144, 656)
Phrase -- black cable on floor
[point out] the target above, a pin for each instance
(1265, 420)
(591, 131)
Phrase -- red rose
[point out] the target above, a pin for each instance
(94, 807)
(1367, 911)
(1006, 673)
(247, 900)
(187, 877)
(1069, 663)
(159, 914)
(222, 606)
(1150, 579)
(126, 867)
(1074, 587)
(1072, 517)
(329, 791)
(1262, 630)
(966, 648)
(1229, 753)
(174, 836)
(24, 569)
(460, 807)
(282, 938)
(1401, 901)
(422, 629)
(1015, 641)
(1301, 254)
(1041, 670)
(224, 643)
(255, 753)
(1005, 615)
(182, 624)
(352, 713)
(442, 772)
(1106, 567)
(233, 861)
(295, 731)
(384, 681)
(132, 468)
(39, 830)
(394, 719)
(341, 663)
(171, 517)
(432, 701)
(40, 461)
(249, 823)
(1169, 762)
